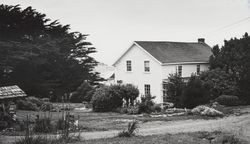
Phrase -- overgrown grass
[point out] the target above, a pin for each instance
(180, 138)
(43, 125)
(33, 140)
(63, 139)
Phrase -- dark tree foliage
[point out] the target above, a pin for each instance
(195, 93)
(219, 83)
(41, 55)
(146, 104)
(83, 93)
(234, 59)
(175, 88)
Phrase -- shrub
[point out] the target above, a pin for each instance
(34, 104)
(83, 93)
(133, 110)
(26, 105)
(47, 140)
(62, 124)
(6, 120)
(106, 98)
(228, 100)
(156, 108)
(195, 93)
(145, 106)
(130, 131)
(3, 125)
(129, 93)
(167, 105)
(35, 100)
(47, 106)
(43, 125)
(121, 110)
(175, 88)
(22, 125)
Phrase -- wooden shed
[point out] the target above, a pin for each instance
(9, 94)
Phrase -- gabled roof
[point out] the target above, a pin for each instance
(177, 52)
(11, 92)
(104, 70)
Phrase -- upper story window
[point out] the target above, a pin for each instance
(180, 70)
(147, 89)
(198, 69)
(129, 65)
(146, 66)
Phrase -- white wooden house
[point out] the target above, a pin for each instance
(147, 64)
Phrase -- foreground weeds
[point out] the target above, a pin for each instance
(131, 129)
(216, 137)
(62, 139)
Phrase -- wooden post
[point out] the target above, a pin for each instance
(27, 127)
(3, 108)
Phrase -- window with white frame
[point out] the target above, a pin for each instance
(147, 89)
(180, 70)
(198, 69)
(129, 65)
(146, 66)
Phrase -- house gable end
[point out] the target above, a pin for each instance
(129, 49)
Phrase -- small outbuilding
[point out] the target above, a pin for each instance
(9, 94)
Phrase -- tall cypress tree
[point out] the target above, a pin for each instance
(41, 55)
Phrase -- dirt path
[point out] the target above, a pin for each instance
(239, 125)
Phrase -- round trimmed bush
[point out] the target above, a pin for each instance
(106, 98)
(228, 100)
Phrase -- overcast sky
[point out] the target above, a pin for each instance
(114, 24)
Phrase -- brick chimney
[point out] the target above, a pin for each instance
(201, 40)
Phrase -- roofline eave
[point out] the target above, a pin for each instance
(148, 53)
(177, 63)
(120, 57)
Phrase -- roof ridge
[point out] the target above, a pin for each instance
(172, 52)
(168, 42)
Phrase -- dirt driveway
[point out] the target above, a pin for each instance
(239, 125)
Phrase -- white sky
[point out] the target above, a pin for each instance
(114, 24)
